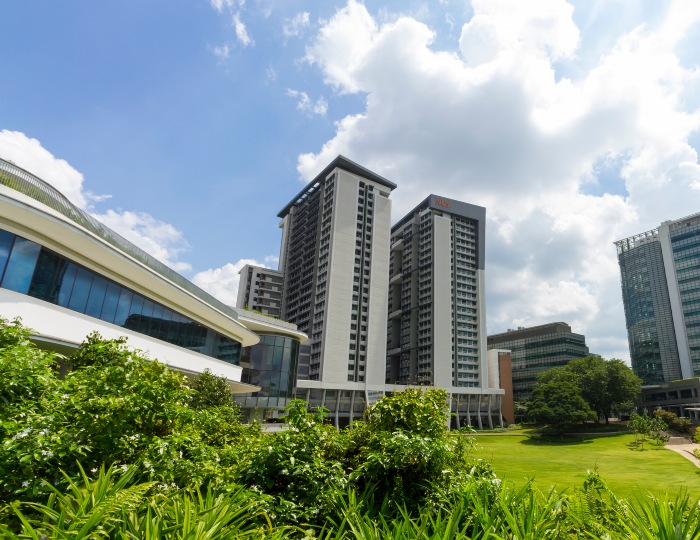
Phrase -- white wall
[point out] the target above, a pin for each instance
(443, 298)
(338, 307)
(375, 370)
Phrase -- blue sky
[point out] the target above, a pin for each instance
(187, 125)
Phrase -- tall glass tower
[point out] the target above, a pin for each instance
(660, 271)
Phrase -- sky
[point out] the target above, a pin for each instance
(187, 125)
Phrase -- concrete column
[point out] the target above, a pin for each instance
(500, 409)
(469, 410)
(478, 415)
(352, 406)
(457, 411)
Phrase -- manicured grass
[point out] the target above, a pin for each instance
(563, 463)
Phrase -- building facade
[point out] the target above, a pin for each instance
(67, 275)
(537, 349)
(335, 259)
(660, 273)
(260, 289)
(270, 365)
(436, 329)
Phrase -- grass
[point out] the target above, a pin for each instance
(562, 463)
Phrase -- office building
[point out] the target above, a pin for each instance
(335, 259)
(537, 349)
(67, 275)
(260, 289)
(660, 271)
(436, 330)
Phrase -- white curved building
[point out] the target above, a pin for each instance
(66, 275)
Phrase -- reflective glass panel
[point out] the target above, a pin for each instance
(44, 276)
(20, 267)
(6, 239)
(81, 290)
(97, 296)
(109, 307)
(123, 307)
(64, 283)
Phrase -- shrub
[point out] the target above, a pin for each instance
(680, 425)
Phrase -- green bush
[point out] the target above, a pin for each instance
(679, 425)
(115, 407)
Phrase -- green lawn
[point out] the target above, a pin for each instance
(562, 464)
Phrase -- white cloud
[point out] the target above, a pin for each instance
(28, 153)
(155, 237)
(306, 104)
(241, 31)
(295, 26)
(221, 52)
(159, 239)
(495, 124)
(222, 283)
(219, 5)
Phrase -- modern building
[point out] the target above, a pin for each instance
(335, 259)
(681, 397)
(537, 349)
(437, 327)
(270, 365)
(67, 275)
(660, 271)
(260, 289)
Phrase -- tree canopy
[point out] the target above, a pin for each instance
(605, 385)
(558, 404)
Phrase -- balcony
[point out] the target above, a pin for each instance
(398, 278)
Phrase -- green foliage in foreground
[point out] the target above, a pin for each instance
(109, 506)
(124, 448)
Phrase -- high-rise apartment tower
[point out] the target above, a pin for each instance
(260, 289)
(660, 272)
(436, 332)
(335, 259)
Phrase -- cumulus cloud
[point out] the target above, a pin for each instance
(493, 122)
(28, 153)
(222, 283)
(241, 31)
(155, 237)
(160, 239)
(295, 26)
(306, 104)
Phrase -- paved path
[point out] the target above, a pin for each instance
(684, 448)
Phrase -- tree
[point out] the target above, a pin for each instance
(211, 391)
(557, 405)
(606, 385)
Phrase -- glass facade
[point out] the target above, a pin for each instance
(271, 365)
(685, 244)
(537, 349)
(650, 330)
(29, 268)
